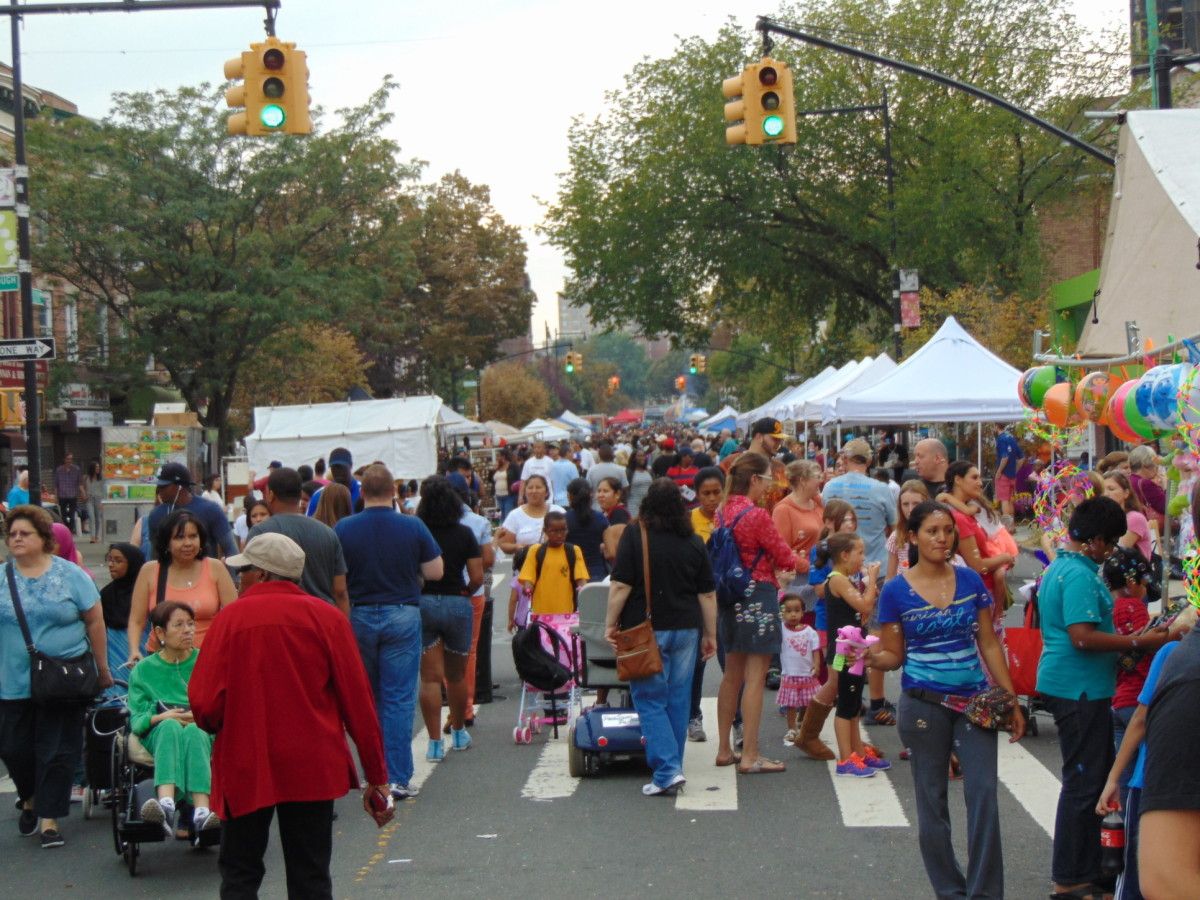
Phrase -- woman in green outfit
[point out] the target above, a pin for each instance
(160, 716)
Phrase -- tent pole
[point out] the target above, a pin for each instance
(979, 446)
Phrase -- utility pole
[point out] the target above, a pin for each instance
(893, 262)
(1152, 53)
(15, 12)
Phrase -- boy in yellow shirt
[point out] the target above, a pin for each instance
(563, 570)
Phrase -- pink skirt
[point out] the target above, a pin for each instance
(796, 691)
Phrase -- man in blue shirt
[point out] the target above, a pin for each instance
(174, 489)
(562, 473)
(1008, 457)
(341, 465)
(387, 554)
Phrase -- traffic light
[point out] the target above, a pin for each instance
(694, 364)
(681, 383)
(574, 362)
(701, 363)
(762, 104)
(614, 384)
(274, 92)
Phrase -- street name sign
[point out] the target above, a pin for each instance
(18, 349)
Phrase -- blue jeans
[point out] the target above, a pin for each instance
(389, 640)
(507, 504)
(1120, 718)
(664, 700)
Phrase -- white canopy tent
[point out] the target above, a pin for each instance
(953, 378)
(726, 417)
(774, 406)
(547, 430)
(821, 408)
(807, 406)
(577, 423)
(399, 432)
(1148, 271)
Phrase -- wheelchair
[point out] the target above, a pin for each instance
(127, 784)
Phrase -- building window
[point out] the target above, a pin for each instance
(43, 313)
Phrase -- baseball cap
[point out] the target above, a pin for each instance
(274, 464)
(174, 473)
(271, 552)
(857, 447)
(341, 457)
(459, 483)
(668, 443)
(768, 426)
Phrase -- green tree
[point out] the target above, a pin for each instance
(202, 246)
(666, 227)
(513, 394)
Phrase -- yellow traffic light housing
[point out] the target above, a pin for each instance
(574, 362)
(762, 104)
(694, 364)
(701, 363)
(274, 92)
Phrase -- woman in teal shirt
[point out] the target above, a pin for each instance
(1076, 679)
(159, 714)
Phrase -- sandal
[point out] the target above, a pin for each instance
(885, 715)
(729, 761)
(763, 766)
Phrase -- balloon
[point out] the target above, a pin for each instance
(1117, 423)
(1135, 419)
(1091, 395)
(1044, 378)
(1023, 388)
(1057, 404)
(1165, 398)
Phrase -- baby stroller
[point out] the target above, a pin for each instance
(545, 653)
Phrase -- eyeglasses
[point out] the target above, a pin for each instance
(22, 534)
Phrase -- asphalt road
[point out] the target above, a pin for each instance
(502, 820)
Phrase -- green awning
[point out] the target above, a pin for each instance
(1075, 291)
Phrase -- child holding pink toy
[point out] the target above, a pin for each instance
(799, 658)
(849, 600)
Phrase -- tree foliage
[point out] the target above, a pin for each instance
(513, 394)
(307, 364)
(1004, 323)
(204, 247)
(666, 227)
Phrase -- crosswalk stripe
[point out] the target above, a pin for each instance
(550, 779)
(864, 802)
(1031, 783)
(710, 787)
(6, 785)
(421, 766)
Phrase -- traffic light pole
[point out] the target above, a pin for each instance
(15, 11)
(767, 25)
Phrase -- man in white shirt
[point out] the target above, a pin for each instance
(538, 464)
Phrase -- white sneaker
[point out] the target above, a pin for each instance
(403, 792)
(153, 813)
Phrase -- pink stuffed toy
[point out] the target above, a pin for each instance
(851, 641)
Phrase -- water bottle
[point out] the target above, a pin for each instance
(1112, 843)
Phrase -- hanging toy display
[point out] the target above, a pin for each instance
(1059, 488)
(1092, 394)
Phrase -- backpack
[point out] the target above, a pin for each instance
(733, 579)
(538, 654)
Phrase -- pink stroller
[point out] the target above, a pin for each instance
(545, 653)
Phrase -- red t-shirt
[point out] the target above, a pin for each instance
(1129, 617)
(969, 528)
(754, 532)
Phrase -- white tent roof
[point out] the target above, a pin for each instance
(577, 423)
(773, 406)
(846, 381)
(397, 431)
(953, 378)
(814, 387)
(725, 412)
(500, 429)
(1148, 271)
(548, 431)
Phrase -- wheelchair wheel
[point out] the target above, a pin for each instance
(89, 802)
(131, 858)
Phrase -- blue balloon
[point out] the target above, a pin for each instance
(1143, 395)
(1165, 397)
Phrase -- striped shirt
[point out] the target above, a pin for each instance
(939, 644)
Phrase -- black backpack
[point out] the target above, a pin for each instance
(535, 664)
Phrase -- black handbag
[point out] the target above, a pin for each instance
(54, 681)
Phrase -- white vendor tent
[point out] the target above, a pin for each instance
(399, 432)
(775, 407)
(821, 408)
(577, 423)
(953, 378)
(726, 417)
(547, 430)
(1148, 271)
(808, 407)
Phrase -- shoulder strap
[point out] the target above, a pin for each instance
(646, 566)
(161, 595)
(538, 558)
(16, 601)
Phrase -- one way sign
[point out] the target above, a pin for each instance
(19, 349)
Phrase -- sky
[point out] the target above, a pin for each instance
(487, 87)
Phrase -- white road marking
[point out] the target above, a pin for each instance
(421, 766)
(864, 802)
(550, 779)
(6, 785)
(709, 787)
(1033, 785)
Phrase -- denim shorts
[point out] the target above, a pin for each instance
(448, 618)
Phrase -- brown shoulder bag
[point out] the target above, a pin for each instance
(637, 649)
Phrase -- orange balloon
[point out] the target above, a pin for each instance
(1057, 404)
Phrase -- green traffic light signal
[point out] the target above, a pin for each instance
(272, 116)
(570, 368)
(773, 126)
(691, 370)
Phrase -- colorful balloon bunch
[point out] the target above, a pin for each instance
(1059, 487)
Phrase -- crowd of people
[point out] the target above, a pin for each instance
(810, 571)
